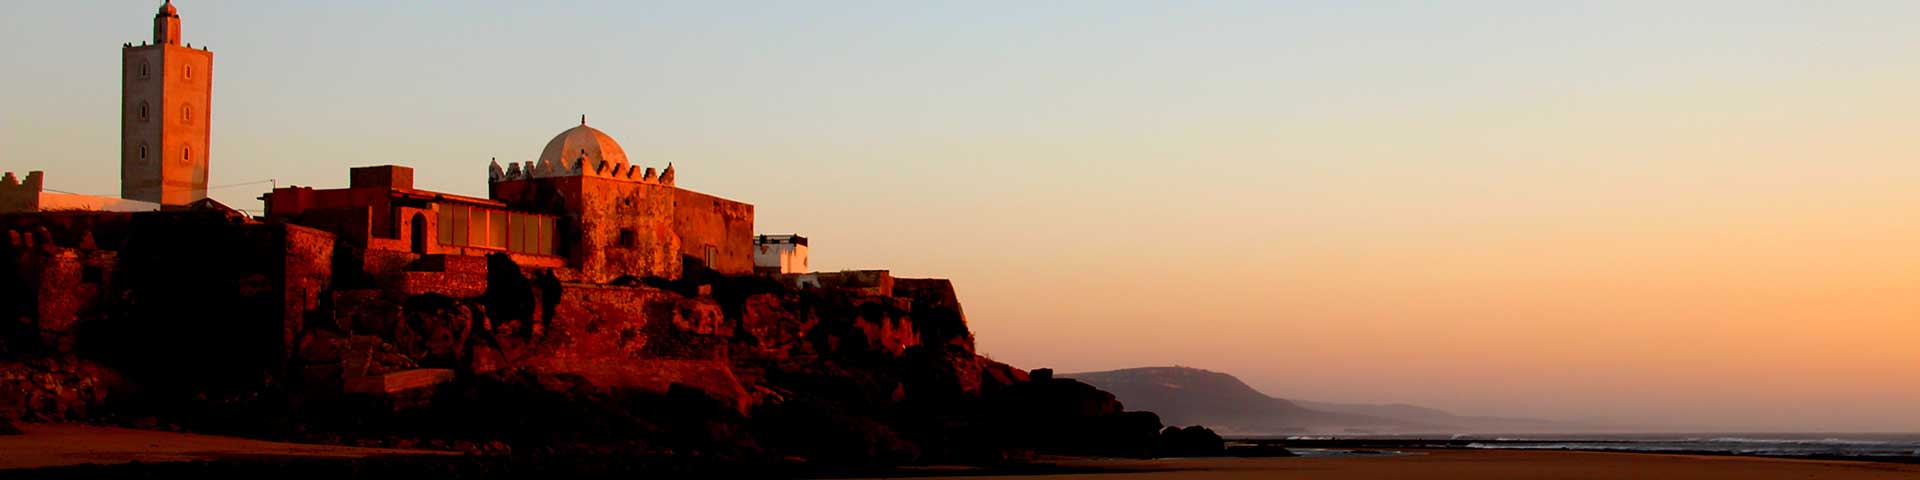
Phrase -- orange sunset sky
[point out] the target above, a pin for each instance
(1694, 216)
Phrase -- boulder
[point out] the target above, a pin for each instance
(1194, 441)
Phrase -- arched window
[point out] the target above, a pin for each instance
(419, 233)
(143, 110)
(143, 153)
(145, 69)
(186, 113)
(186, 155)
(188, 71)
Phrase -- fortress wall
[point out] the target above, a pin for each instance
(612, 210)
(703, 220)
(214, 303)
(613, 322)
(17, 195)
(639, 338)
(596, 213)
(108, 230)
(67, 284)
(871, 282)
(308, 254)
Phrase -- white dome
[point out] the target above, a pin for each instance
(595, 145)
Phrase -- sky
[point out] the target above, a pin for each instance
(1685, 215)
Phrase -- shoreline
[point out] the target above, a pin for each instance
(70, 451)
(1461, 445)
(1490, 464)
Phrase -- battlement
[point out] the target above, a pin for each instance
(578, 168)
(20, 196)
(34, 179)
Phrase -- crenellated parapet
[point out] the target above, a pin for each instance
(32, 182)
(18, 195)
(580, 166)
(582, 151)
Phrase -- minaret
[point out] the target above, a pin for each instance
(166, 25)
(166, 92)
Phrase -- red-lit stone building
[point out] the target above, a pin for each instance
(581, 208)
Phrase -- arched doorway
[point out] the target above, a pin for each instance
(420, 233)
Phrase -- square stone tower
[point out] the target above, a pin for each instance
(166, 91)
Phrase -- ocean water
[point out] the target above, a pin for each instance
(1883, 445)
(1768, 444)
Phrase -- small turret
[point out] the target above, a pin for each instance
(166, 25)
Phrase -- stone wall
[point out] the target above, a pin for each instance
(212, 303)
(350, 223)
(614, 228)
(351, 213)
(456, 276)
(54, 389)
(308, 275)
(704, 221)
(58, 275)
(638, 338)
(609, 229)
(20, 195)
(611, 322)
(67, 283)
(870, 282)
(105, 230)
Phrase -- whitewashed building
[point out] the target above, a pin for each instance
(778, 254)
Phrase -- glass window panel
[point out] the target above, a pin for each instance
(546, 235)
(497, 229)
(534, 225)
(532, 234)
(517, 232)
(477, 228)
(445, 227)
(460, 225)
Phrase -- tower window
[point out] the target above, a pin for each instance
(186, 155)
(188, 70)
(143, 110)
(143, 153)
(628, 238)
(186, 113)
(145, 69)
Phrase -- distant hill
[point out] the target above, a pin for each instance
(1453, 423)
(1191, 396)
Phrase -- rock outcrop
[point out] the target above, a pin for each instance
(216, 324)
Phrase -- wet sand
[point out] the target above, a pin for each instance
(1492, 465)
(43, 445)
(66, 445)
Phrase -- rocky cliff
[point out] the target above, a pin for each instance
(224, 325)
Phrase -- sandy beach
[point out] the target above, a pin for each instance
(1492, 465)
(57, 445)
(66, 445)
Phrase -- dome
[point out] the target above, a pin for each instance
(569, 145)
